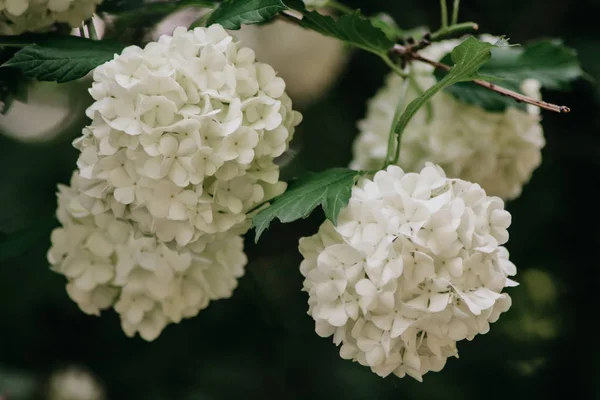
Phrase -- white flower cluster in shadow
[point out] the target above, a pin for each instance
(18, 16)
(414, 265)
(74, 383)
(498, 150)
(180, 149)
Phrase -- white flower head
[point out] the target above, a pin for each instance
(414, 265)
(74, 383)
(113, 262)
(309, 62)
(498, 150)
(18, 16)
(181, 130)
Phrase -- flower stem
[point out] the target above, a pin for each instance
(444, 10)
(455, 8)
(336, 5)
(91, 29)
(454, 31)
(394, 138)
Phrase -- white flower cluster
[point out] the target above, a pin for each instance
(18, 16)
(308, 61)
(414, 265)
(112, 262)
(181, 147)
(74, 383)
(184, 133)
(498, 150)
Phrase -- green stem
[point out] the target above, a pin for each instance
(454, 31)
(444, 9)
(455, 8)
(394, 148)
(420, 91)
(336, 5)
(92, 29)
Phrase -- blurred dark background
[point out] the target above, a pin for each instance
(260, 343)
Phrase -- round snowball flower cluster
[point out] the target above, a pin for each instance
(112, 262)
(498, 150)
(180, 149)
(18, 16)
(184, 134)
(414, 265)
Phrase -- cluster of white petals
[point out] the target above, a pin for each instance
(498, 150)
(184, 134)
(414, 265)
(111, 262)
(309, 62)
(18, 16)
(181, 147)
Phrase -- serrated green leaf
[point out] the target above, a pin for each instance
(547, 61)
(233, 14)
(331, 189)
(353, 29)
(468, 57)
(63, 58)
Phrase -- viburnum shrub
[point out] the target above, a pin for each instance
(182, 154)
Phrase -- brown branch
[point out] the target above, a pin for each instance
(408, 53)
(402, 51)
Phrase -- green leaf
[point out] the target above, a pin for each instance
(468, 57)
(331, 189)
(233, 14)
(63, 58)
(387, 25)
(353, 29)
(548, 61)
